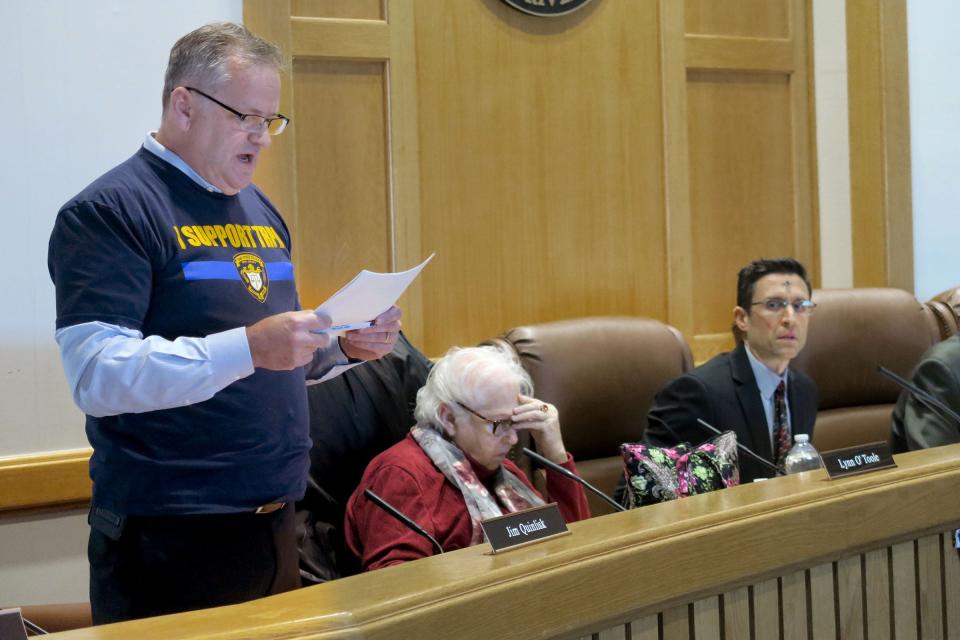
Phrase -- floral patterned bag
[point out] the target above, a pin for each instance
(658, 474)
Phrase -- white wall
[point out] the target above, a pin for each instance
(81, 84)
(833, 143)
(934, 51)
(44, 559)
(81, 81)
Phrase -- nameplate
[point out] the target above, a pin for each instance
(523, 527)
(11, 625)
(860, 459)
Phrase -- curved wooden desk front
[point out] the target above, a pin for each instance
(869, 556)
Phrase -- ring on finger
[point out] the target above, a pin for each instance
(544, 408)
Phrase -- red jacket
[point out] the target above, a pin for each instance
(405, 477)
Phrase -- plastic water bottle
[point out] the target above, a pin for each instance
(802, 456)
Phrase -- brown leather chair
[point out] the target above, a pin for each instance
(945, 307)
(602, 374)
(852, 332)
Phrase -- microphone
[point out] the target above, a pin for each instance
(555, 467)
(744, 448)
(931, 402)
(396, 513)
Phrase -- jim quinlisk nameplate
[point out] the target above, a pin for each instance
(859, 459)
(523, 527)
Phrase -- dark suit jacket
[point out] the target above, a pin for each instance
(724, 393)
(353, 418)
(914, 425)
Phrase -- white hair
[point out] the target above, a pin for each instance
(467, 375)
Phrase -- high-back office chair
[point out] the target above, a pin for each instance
(602, 374)
(851, 333)
(945, 307)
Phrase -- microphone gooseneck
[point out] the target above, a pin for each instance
(747, 450)
(567, 474)
(931, 402)
(663, 423)
(406, 520)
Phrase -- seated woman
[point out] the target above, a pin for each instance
(451, 471)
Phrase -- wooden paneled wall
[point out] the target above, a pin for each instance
(880, 174)
(627, 158)
(748, 155)
(347, 179)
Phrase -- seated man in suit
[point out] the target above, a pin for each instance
(750, 390)
(452, 471)
(916, 426)
(353, 418)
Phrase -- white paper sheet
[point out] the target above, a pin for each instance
(361, 300)
(368, 295)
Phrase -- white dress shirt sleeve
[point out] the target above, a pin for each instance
(113, 370)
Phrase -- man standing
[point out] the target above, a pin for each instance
(915, 425)
(750, 390)
(183, 341)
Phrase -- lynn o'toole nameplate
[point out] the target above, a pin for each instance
(859, 459)
(523, 527)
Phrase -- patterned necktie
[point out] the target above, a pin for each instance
(781, 427)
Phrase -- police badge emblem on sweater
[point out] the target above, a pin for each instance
(253, 274)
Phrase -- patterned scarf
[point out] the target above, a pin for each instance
(511, 494)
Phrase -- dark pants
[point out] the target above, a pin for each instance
(149, 566)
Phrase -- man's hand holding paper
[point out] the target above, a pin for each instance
(287, 340)
(368, 295)
(374, 341)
